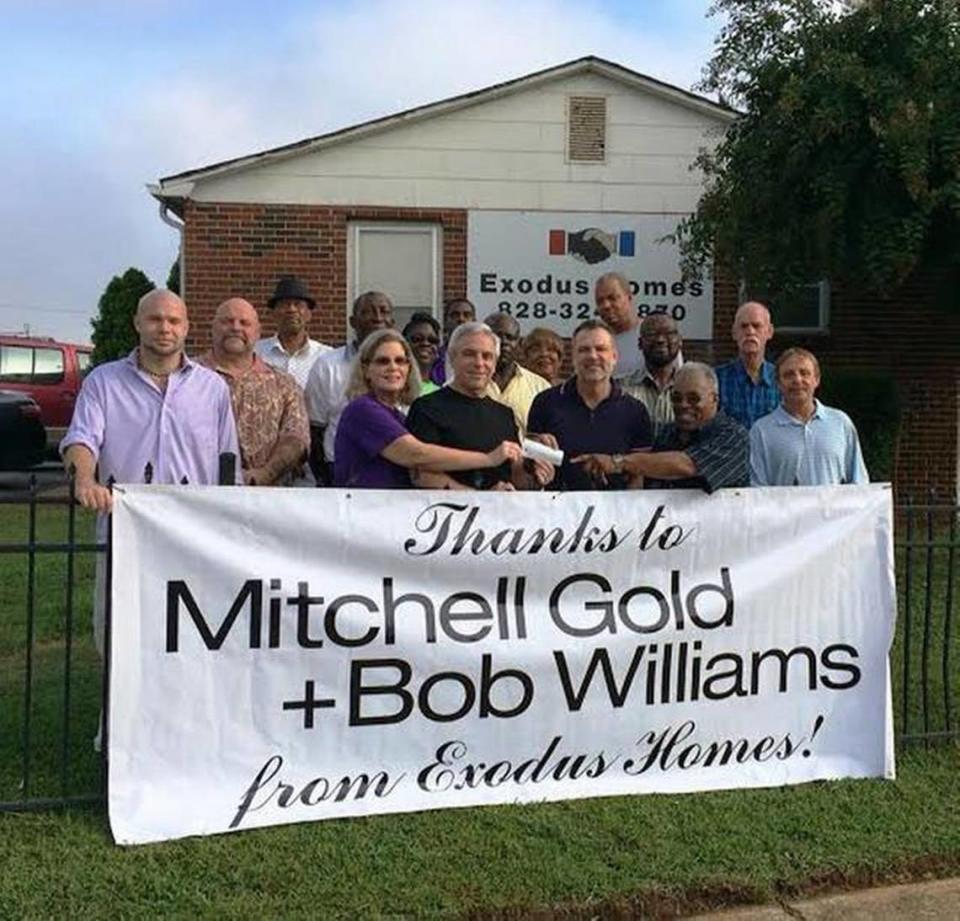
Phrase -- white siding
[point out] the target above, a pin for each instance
(504, 153)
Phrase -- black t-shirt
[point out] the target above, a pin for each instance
(450, 418)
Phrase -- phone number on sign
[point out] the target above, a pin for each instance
(565, 310)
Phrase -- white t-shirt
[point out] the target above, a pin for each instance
(325, 392)
(628, 347)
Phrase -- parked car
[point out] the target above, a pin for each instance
(22, 437)
(49, 371)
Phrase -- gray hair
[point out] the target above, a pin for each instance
(472, 328)
(357, 384)
(746, 304)
(698, 369)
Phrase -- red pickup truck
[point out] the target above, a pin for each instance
(49, 371)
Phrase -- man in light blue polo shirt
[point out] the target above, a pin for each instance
(802, 442)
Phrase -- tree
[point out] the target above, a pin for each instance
(113, 332)
(173, 278)
(845, 162)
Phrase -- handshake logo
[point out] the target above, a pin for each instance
(591, 245)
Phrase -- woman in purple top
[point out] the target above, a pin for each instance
(373, 448)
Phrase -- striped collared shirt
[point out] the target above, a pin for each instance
(823, 451)
(720, 449)
(643, 386)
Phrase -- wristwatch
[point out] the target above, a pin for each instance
(617, 463)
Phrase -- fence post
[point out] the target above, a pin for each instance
(907, 618)
(28, 663)
(68, 627)
(948, 620)
(927, 614)
(227, 472)
(107, 643)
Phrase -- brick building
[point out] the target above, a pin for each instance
(519, 195)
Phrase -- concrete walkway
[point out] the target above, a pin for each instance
(934, 901)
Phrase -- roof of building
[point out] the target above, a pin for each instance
(164, 189)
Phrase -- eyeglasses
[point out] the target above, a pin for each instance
(690, 398)
(419, 340)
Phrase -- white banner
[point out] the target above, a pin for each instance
(541, 266)
(291, 655)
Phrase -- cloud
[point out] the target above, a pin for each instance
(344, 65)
(82, 210)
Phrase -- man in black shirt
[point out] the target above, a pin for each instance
(589, 412)
(460, 415)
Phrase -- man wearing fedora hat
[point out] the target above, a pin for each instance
(291, 349)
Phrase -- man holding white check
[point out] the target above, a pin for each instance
(461, 415)
(590, 414)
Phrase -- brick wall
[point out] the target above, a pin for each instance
(241, 249)
(904, 336)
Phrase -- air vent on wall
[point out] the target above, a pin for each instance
(587, 129)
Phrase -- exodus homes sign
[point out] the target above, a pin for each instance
(540, 267)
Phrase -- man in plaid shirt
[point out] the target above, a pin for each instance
(748, 384)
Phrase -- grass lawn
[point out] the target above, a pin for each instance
(661, 852)
(608, 857)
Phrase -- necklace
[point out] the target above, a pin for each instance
(156, 375)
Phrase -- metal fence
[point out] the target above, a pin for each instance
(51, 677)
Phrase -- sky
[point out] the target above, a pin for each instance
(101, 97)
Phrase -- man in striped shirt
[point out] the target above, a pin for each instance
(802, 442)
(702, 449)
(660, 342)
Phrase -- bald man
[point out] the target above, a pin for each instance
(268, 405)
(154, 407)
(614, 300)
(154, 415)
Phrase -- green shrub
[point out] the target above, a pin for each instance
(871, 399)
(113, 333)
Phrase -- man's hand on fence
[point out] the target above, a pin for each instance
(90, 494)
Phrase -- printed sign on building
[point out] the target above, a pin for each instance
(291, 655)
(540, 267)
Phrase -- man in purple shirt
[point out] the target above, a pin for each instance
(153, 407)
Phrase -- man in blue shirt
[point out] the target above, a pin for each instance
(748, 384)
(802, 442)
(590, 413)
